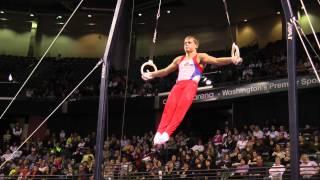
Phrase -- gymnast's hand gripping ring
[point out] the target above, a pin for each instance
(235, 50)
(148, 63)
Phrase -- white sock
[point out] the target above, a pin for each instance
(164, 138)
(156, 139)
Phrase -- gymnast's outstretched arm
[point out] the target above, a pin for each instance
(207, 59)
(162, 72)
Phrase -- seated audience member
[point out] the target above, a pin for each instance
(243, 168)
(308, 168)
(277, 169)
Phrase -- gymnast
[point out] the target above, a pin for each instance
(190, 66)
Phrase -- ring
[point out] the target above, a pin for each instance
(148, 63)
(235, 50)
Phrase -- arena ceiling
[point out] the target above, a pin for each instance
(182, 12)
(47, 6)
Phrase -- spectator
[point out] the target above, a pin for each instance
(258, 133)
(242, 143)
(243, 168)
(308, 168)
(33, 156)
(7, 137)
(7, 156)
(278, 152)
(198, 147)
(185, 174)
(217, 139)
(277, 170)
(17, 132)
(14, 149)
(286, 160)
(62, 135)
(225, 163)
(273, 133)
(229, 144)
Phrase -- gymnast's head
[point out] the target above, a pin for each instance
(191, 44)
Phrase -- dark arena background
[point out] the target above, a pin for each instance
(73, 104)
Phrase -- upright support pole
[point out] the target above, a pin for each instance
(292, 90)
(103, 100)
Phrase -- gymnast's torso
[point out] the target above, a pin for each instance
(189, 69)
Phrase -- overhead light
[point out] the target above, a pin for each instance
(1, 12)
(140, 14)
(31, 15)
(59, 17)
(245, 20)
(3, 19)
(10, 78)
(168, 11)
(60, 23)
(34, 24)
(91, 24)
(89, 15)
(278, 12)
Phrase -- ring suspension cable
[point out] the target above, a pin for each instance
(309, 21)
(153, 44)
(41, 59)
(127, 77)
(308, 41)
(52, 112)
(293, 20)
(228, 19)
(155, 33)
(234, 49)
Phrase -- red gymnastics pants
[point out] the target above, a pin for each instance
(177, 105)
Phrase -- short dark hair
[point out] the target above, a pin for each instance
(196, 41)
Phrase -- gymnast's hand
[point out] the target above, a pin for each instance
(236, 60)
(147, 76)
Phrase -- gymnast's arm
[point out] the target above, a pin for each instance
(207, 59)
(163, 72)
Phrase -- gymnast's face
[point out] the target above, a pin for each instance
(190, 45)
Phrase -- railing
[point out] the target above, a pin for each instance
(252, 173)
(48, 177)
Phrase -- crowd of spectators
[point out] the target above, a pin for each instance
(57, 155)
(231, 152)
